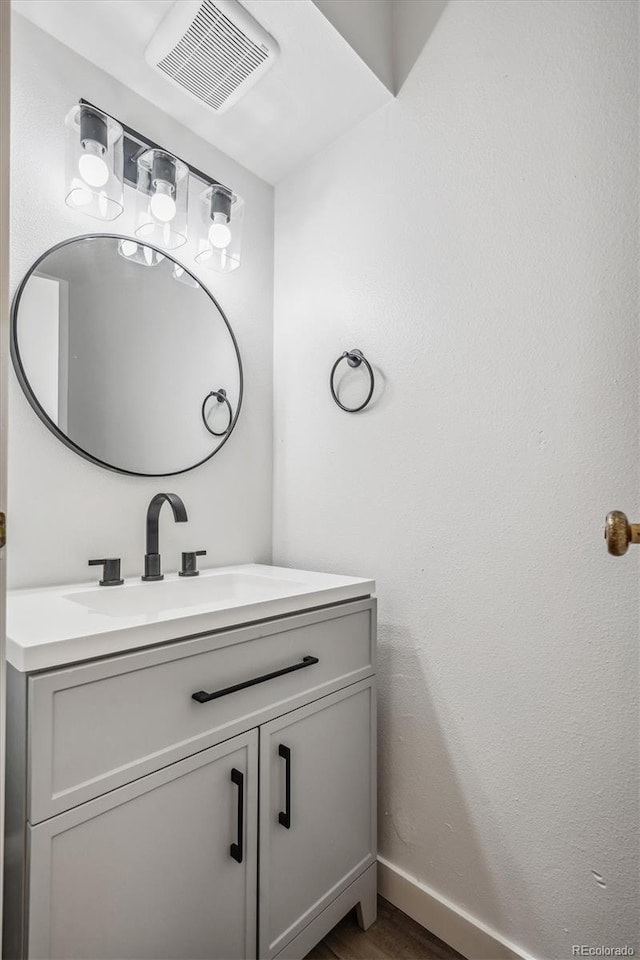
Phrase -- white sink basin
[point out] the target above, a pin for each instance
(53, 626)
(167, 596)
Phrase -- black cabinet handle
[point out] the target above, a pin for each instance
(237, 849)
(202, 697)
(284, 817)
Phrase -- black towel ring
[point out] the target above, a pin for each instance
(354, 358)
(221, 397)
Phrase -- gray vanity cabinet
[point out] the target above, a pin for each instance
(124, 784)
(146, 870)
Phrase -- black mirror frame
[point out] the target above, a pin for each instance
(31, 397)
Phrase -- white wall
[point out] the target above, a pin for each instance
(367, 26)
(64, 510)
(477, 239)
(412, 25)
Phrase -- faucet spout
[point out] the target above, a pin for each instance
(153, 516)
(152, 568)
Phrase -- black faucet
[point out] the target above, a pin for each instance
(152, 568)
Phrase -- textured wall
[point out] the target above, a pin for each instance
(63, 509)
(367, 26)
(478, 240)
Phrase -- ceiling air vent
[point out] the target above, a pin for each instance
(214, 51)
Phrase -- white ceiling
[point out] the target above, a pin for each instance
(317, 89)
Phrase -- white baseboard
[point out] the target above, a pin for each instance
(461, 931)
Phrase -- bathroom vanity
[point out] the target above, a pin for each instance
(191, 774)
(191, 757)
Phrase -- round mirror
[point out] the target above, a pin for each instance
(125, 356)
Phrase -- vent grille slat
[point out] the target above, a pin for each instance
(213, 58)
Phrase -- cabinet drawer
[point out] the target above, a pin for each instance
(97, 726)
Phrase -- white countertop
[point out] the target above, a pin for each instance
(53, 626)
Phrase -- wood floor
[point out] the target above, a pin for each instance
(394, 935)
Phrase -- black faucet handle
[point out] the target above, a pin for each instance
(190, 563)
(111, 571)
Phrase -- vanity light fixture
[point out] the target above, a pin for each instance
(139, 253)
(182, 276)
(162, 196)
(94, 162)
(220, 230)
(103, 155)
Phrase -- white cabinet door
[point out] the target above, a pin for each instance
(317, 809)
(162, 868)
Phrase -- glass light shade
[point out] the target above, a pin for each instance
(94, 163)
(221, 214)
(139, 253)
(161, 199)
(181, 275)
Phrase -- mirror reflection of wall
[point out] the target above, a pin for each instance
(120, 352)
(45, 340)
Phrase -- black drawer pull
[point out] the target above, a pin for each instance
(203, 697)
(237, 849)
(284, 817)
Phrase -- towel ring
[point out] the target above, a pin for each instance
(354, 358)
(221, 397)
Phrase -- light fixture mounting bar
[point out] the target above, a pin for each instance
(134, 144)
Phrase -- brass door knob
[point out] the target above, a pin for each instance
(619, 533)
